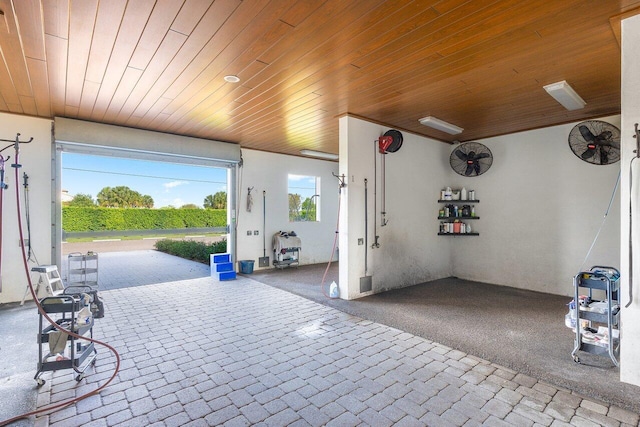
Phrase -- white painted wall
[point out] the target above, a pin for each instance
(540, 208)
(35, 158)
(269, 172)
(410, 251)
(630, 322)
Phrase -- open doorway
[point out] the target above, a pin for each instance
(119, 207)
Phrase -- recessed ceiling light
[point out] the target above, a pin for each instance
(432, 122)
(565, 95)
(231, 79)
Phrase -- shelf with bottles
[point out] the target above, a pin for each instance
(456, 228)
(460, 206)
(453, 212)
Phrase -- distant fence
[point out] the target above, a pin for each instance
(160, 232)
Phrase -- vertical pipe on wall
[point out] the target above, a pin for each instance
(56, 200)
(232, 210)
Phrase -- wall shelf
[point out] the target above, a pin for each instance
(447, 222)
(459, 217)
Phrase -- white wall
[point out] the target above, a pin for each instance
(410, 251)
(540, 208)
(35, 158)
(630, 322)
(269, 172)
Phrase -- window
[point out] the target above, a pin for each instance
(304, 198)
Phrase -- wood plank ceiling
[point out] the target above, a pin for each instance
(159, 65)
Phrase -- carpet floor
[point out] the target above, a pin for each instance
(521, 330)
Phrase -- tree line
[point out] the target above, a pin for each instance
(124, 197)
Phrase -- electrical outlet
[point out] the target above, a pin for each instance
(248, 232)
(256, 232)
(360, 241)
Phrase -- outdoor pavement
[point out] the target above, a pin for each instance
(197, 352)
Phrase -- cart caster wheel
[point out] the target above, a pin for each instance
(576, 359)
(40, 382)
(93, 362)
(79, 377)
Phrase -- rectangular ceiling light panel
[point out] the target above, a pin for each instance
(432, 122)
(565, 95)
(319, 154)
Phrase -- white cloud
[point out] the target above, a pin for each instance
(173, 184)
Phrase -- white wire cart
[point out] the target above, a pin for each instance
(597, 321)
(286, 249)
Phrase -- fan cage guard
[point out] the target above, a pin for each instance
(461, 166)
(604, 149)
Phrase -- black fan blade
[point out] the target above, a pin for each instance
(586, 133)
(482, 156)
(476, 165)
(461, 155)
(589, 153)
(604, 157)
(469, 169)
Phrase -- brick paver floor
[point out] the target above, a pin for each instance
(203, 353)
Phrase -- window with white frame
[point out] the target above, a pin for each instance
(304, 198)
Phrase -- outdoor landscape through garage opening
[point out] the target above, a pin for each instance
(115, 207)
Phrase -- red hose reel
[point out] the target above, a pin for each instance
(390, 142)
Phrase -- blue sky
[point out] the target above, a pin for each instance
(167, 183)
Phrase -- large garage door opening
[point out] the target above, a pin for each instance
(124, 210)
(121, 190)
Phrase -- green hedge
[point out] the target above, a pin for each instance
(190, 249)
(75, 219)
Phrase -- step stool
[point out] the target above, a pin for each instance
(222, 267)
(49, 283)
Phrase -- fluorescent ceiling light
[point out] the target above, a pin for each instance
(319, 154)
(441, 125)
(565, 95)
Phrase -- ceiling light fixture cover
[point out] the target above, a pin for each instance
(432, 122)
(565, 95)
(231, 79)
(319, 154)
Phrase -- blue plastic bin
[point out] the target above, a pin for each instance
(246, 266)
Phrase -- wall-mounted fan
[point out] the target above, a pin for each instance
(596, 142)
(471, 159)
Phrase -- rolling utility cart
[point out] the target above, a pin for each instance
(59, 350)
(82, 269)
(597, 322)
(286, 249)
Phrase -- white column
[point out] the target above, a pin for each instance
(630, 322)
